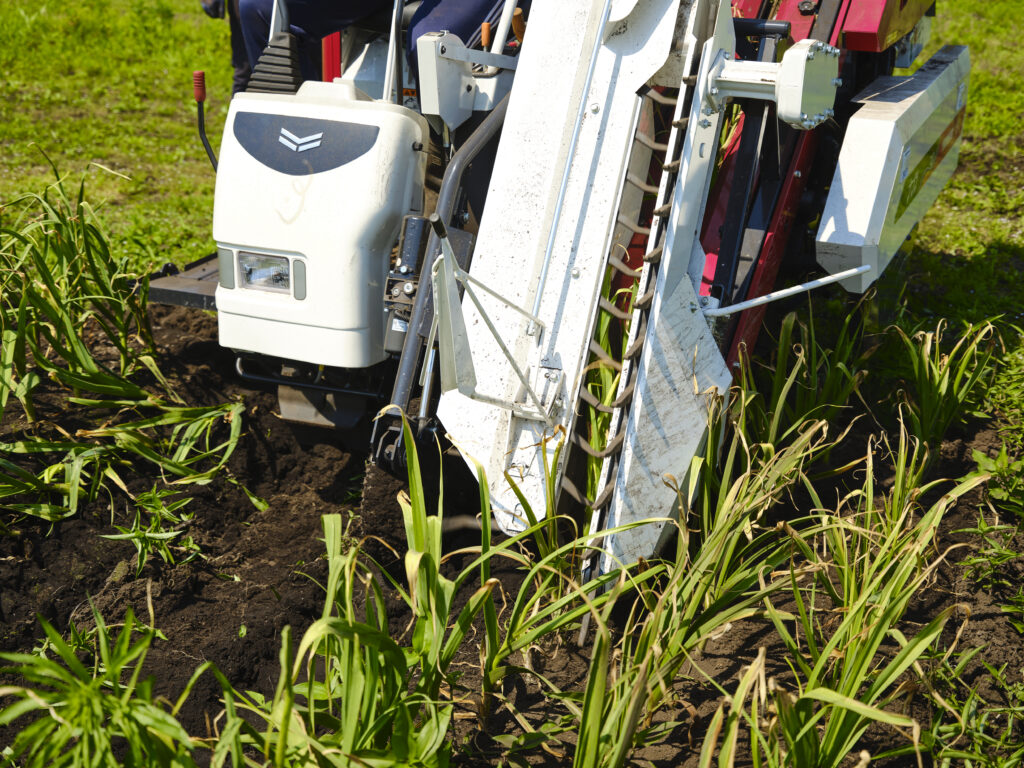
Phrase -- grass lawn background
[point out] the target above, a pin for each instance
(108, 83)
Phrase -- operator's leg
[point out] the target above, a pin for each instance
(239, 57)
(311, 20)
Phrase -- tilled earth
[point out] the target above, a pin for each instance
(261, 570)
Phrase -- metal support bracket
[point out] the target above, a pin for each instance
(450, 89)
(803, 84)
(449, 331)
(479, 58)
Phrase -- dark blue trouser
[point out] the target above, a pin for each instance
(313, 20)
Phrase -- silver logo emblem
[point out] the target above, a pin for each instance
(297, 144)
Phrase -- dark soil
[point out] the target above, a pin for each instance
(259, 571)
(262, 570)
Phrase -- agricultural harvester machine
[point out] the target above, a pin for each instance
(458, 245)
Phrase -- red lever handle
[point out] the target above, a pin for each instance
(199, 85)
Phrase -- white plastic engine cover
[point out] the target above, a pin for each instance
(322, 178)
(900, 149)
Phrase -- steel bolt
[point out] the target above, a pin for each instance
(409, 289)
(713, 91)
(810, 55)
(575, 271)
(797, 174)
(404, 269)
(708, 110)
(595, 108)
(705, 123)
(837, 81)
(703, 301)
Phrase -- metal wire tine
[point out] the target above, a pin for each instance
(614, 446)
(636, 181)
(644, 301)
(612, 310)
(622, 267)
(659, 98)
(604, 357)
(650, 143)
(632, 227)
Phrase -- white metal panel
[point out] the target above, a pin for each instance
(342, 223)
(520, 211)
(900, 149)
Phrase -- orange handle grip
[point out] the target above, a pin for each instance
(518, 25)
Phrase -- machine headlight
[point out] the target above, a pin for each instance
(267, 273)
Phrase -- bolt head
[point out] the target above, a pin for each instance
(409, 289)
(595, 108)
(837, 81)
(713, 91)
(705, 123)
(797, 174)
(575, 271)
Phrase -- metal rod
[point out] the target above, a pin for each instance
(560, 202)
(786, 292)
(446, 201)
(498, 45)
(428, 386)
(278, 19)
(393, 72)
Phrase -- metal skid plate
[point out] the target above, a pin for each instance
(193, 286)
(901, 148)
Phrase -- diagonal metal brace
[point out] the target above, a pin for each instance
(449, 330)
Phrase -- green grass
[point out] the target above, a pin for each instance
(108, 83)
(970, 246)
